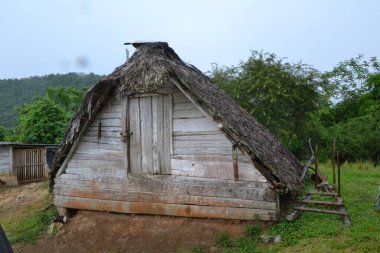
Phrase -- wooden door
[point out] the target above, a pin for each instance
(28, 164)
(150, 134)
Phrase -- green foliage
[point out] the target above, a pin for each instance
(29, 229)
(279, 94)
(44, 119)
(350, 77)
(41, 121)
(296, 102)
(15, 92)
(253, 231)
(3, 133)
(224, 239)
(244, 245)
(198, 249)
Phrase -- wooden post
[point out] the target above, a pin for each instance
(316, 167)
(333, 163)
(235, 163)
(339, 183)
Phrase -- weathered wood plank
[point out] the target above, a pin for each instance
(164, 209)
(108, 115)
(99, 146)
(194, 125)
(113, 105)
(196, 133)
(100, 152)
(217, 143)
(135, 139)
(183, 186)
(157, 133)
(100, 157)
(202, 151)
(96, 193)
(103, 139)
(178, 97)
(167, 135)
(205, 136)
(146, 134)
(211, 158)
(124, 134)
(115, 129)
(97, 164)
(103, 171)
(187, 114)
(177, 179)
(215, 169)
(113, 134)
(5, 160)
(107, 123)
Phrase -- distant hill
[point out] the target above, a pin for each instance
(15, 92)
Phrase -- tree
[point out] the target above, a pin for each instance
(281, 95)
(349, 77)
(41, 121)
(44, 119)
(3, 133)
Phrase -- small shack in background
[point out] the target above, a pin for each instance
(23, 163)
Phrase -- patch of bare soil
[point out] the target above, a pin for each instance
(102, 232)
(91, 231)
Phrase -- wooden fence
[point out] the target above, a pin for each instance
(28, 164)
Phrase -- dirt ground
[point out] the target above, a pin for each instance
(90, 231)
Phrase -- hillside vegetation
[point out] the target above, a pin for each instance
(16, 92)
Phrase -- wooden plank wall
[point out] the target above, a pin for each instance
(149, 128)
(201, 149)
(101, 153)
(29, 164)
(200, 185)
(5, 161)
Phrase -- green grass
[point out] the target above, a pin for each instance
(29, 229)
(314, 232)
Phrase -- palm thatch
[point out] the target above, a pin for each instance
(155, 66)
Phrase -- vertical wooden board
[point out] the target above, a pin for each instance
(135, 139)
(146, 134)
(157, 131)
(167, 135)
(125, 132)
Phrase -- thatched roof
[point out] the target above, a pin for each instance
(155, 66)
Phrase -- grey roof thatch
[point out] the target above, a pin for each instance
(154, 66)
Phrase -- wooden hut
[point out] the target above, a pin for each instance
(23, 163)
(158, 137)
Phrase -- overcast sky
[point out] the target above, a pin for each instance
(41, 37)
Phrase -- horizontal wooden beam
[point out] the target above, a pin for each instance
(316, 210)
(323, 203)
(165, 198)
(323, 193)
(164, 209)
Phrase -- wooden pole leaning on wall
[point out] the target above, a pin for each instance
(316, 177)
(235, 163)
(333, 161)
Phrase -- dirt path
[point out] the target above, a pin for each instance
(94, 232)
